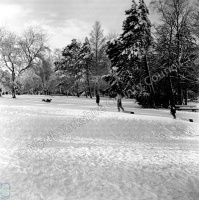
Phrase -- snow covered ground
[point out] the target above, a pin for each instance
(146, 156)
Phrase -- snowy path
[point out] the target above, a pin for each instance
(112, 156)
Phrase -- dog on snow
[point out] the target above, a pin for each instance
(47, 100)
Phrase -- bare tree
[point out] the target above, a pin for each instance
(44, 70)
(21, 53)
(10, 56)
(112, 35)
(57, 56)
(32, 44)
(176, 15)
(4, 79)
(98, 45)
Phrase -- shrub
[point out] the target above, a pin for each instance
(146, 100)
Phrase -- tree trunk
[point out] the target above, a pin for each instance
(179, 93)
(13, 85)
(179, 84)
(77, 90)
(89, 88)
(171, 97)
(90, 92)
(88, 82)
(178, 61)
(152, 91)
(148, 73)
(185, 92)
(172, 100)
(60, 90)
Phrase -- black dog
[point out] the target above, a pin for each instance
(47, 100)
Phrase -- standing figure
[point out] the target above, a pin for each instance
(97, 98)
(173, 112)
(119, 102)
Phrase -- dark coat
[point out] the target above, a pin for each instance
(97, 98)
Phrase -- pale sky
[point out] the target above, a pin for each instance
(65, 19)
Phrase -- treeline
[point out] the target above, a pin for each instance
(82, 64)
(29, 66)
(157, 64)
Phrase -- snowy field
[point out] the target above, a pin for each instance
(69, 149)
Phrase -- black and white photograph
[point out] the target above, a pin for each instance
(99, 99)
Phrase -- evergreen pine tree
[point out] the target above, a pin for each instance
(70, 65)
(86, 61)
(129, 51)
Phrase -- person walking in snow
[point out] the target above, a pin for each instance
(173, 112)
(119, 101)
(97, 98)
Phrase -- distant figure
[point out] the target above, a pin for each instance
(119, 102)
(45, 91)
(47, 100)
(0, 91)
(173, 112)
(97, 98)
